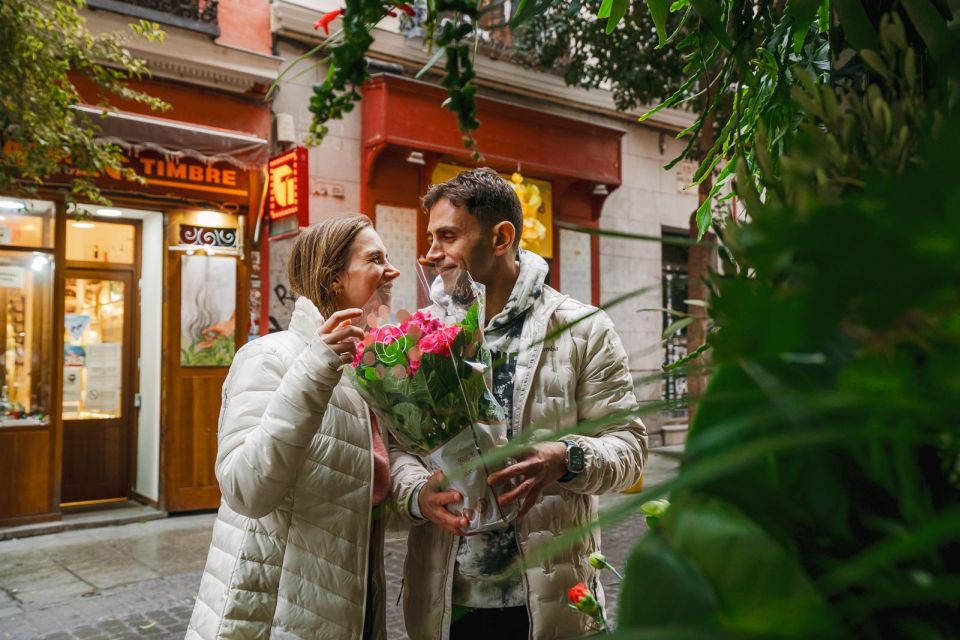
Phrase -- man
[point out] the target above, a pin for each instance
(461, 587)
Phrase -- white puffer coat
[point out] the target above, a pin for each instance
(294, 535)
(579, 375)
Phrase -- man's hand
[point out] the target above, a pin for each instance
(537, 467)
(433, 505)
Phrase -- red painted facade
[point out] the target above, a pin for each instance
(402, 115)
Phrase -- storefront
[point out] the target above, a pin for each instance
(563, 170)
(119, 323)
(407, 141)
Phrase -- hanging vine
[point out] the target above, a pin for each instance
(449, 26)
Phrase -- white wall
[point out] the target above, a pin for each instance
(151, 302)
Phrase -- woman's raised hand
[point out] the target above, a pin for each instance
(340, 335)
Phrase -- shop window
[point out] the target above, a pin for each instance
(26, 333)
(26, 223)
(108, 242)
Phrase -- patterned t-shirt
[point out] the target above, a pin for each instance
(486, 574)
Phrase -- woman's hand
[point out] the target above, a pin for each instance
(340, 335)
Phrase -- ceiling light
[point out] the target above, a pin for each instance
(600, 190)
(83, 225)
(109, 213)
(12, 204)
(39, 262)
(416, 157)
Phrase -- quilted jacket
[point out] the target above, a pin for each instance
(579, 374)
(294, 540)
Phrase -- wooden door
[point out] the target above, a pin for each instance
(195, 366)
(97, 393)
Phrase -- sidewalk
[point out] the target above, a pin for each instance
(140, 580)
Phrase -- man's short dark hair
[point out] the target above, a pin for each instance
(483, 193)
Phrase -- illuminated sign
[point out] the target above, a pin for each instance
(287, 186)
(185, 177)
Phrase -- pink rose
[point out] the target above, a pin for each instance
(388, 334)
(439, 341)
(424, 321)
(358, 355)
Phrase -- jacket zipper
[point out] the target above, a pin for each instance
(366, 563)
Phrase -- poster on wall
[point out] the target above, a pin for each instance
(208, 304)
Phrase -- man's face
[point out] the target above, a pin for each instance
(459, 240)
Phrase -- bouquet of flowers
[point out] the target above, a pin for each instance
(427, 375)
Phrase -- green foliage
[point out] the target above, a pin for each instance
(450, 24)
(565, 38)
(41, 133)
(347, 69)
(828, 435)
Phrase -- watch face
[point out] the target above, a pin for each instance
(577, 462)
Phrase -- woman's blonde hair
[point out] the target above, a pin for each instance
(319, 255)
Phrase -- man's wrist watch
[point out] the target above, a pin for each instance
(576, 462)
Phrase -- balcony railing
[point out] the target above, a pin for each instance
(196, 15)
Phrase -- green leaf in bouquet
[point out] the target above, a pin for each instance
(472, 319)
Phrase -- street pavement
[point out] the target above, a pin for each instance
(140, 580)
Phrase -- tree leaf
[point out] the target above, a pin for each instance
(931, 26)
(605, 8)
(434, 59)
(857, 28)
(659, 10)
(711, 12)
(661, 588)
(803, 12)
(616, 14)
(677, 326)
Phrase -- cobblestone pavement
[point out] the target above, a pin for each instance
(140, 580)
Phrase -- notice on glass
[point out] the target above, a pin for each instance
(11, 277)
(103, 377)
(71, 384)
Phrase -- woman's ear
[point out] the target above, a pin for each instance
(503, 235)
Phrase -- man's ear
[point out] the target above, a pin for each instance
(502, 236)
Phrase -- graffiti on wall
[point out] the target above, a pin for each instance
(281, 302)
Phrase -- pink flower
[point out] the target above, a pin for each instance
(439, 341)
(423, 320)
(386, 335)
(358, 355)
(413, 367)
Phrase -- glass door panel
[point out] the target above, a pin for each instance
(94, 328)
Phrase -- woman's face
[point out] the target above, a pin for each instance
(368, 271)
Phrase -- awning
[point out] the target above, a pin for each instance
(176, 139)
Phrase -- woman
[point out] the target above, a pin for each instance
(297, 550)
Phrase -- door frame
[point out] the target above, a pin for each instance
(130, 380)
